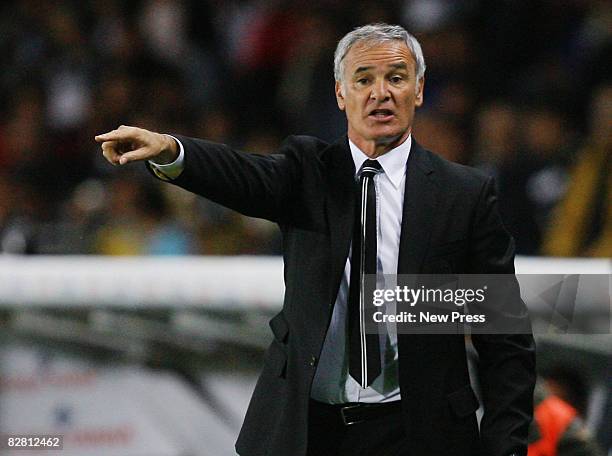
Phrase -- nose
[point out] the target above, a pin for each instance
(380, 91)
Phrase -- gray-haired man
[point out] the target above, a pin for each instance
(374, 202)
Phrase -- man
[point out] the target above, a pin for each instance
(373, 202)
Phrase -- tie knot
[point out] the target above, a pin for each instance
(370, 168)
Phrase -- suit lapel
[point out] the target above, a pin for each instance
(421, 198)
(340, 206)
(420, 202)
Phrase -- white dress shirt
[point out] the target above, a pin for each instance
(332, 382)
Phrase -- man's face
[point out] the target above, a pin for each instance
(379, 93)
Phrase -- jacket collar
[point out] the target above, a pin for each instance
(393, 162)
(420, 202)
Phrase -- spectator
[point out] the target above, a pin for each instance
(583, 217)
(558, 428)
(532, 180)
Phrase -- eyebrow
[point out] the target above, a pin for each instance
(361, 69)
(397, 66)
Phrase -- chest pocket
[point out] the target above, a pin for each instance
(448, 248)
(446, 258)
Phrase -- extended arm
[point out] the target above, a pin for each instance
(255, 185)
(252, 184)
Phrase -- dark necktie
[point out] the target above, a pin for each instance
(364, 349)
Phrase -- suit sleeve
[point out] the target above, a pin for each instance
(255, 185)
(506, 361)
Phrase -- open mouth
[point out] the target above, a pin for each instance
(381, 114)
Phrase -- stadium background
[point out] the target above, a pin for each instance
(521, 89)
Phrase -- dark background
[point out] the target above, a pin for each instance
(519, 88)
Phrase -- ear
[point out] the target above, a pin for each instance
(340, 96)
(419, 95)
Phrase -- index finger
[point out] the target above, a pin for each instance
(122, 133)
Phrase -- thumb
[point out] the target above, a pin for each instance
(135, 155)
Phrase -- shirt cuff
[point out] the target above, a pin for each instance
(171, 170)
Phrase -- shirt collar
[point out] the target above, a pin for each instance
(393, 162)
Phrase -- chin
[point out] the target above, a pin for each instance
(387, 137)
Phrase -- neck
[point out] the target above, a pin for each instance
(374, 148)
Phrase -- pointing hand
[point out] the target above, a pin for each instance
(127, 144)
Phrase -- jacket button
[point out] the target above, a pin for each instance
(313, 361)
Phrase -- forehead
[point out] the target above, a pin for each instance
(364, 54)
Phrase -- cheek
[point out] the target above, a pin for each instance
(407, 106)
(350, 112)
(353, 110)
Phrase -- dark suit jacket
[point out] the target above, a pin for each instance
(450, 224)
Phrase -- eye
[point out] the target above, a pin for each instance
(362, 81)
(396, 79)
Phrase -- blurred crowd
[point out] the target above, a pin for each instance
(521, 89)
